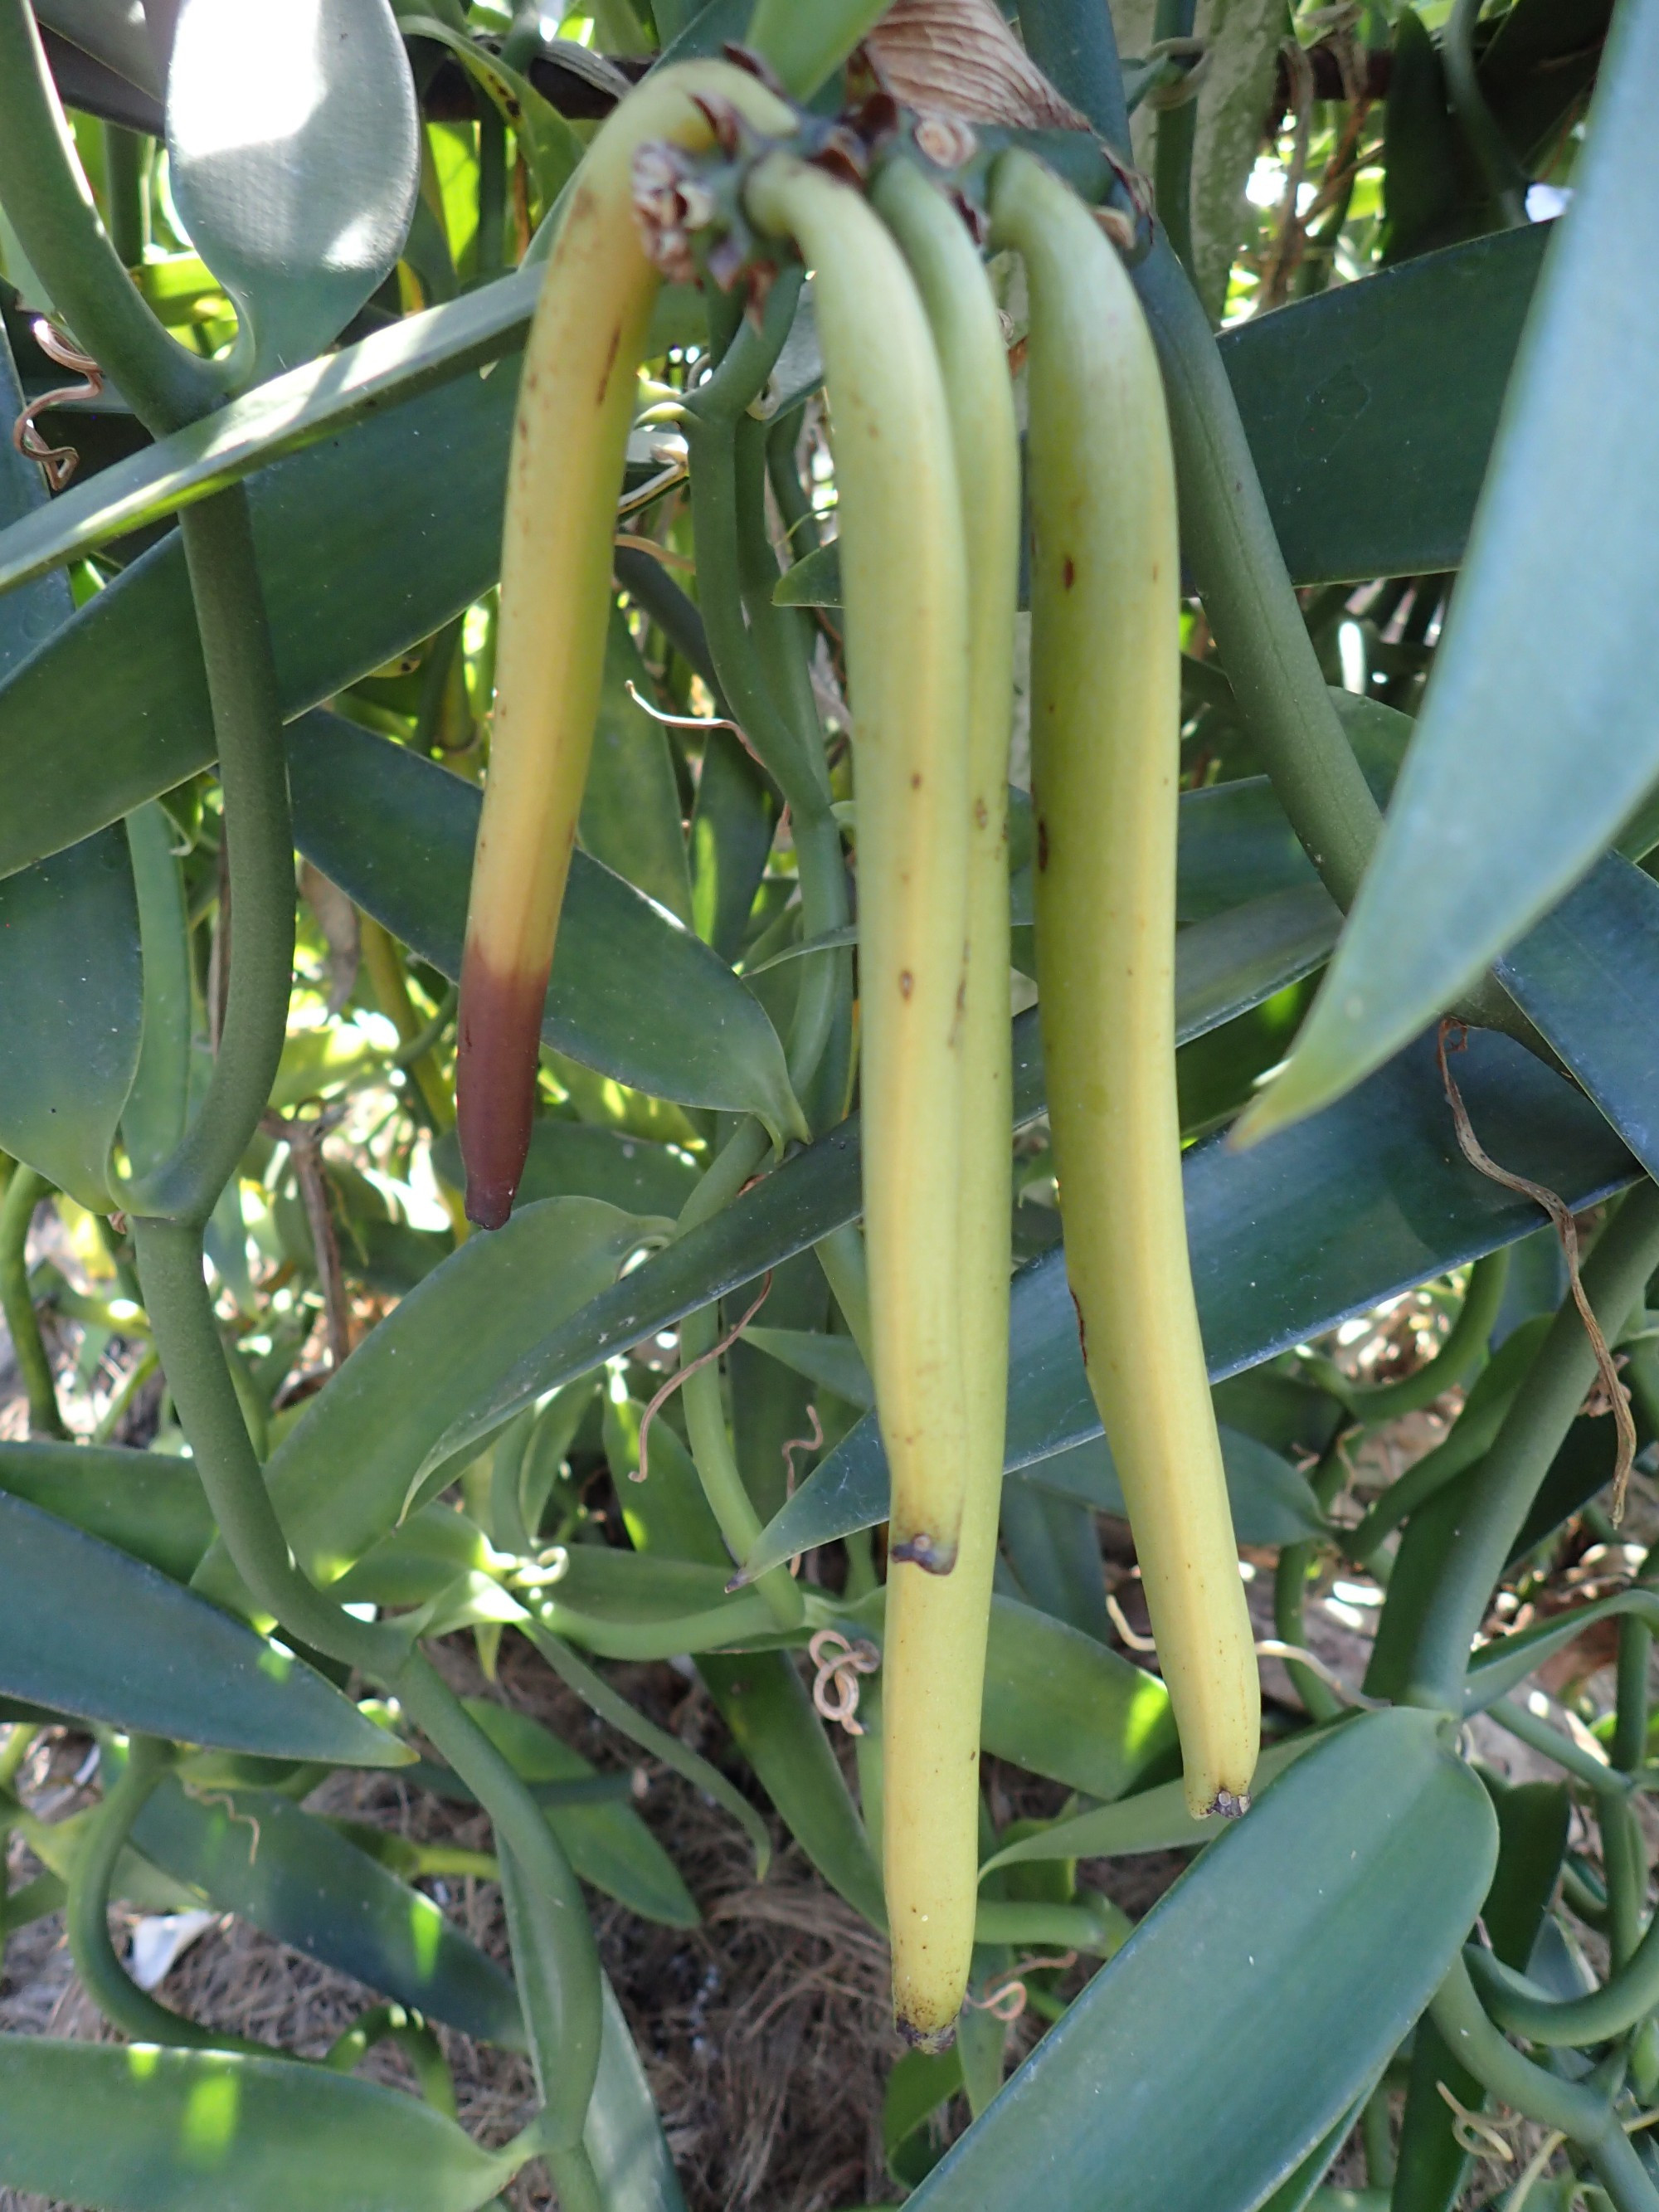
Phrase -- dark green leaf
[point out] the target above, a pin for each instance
(294, 166)
(1272, 1503)
(158, 2130)
(631, 816)
(1371, 1855)
(71, 983)
(86, 1630)
(143, 1503)
(255, 1853)
(1058, 1702)
(154, 1118)
(609, 1846)
(28, 619)
(343, 1476)
(1588, 975)
(571, 1159)
(622, 2132)
(632, 993)
(1536, 736)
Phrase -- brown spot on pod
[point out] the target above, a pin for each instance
(907, 982)
(1043, 844)
(1068, 572)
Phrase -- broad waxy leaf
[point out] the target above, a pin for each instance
(609, 1846)
(623, 2132)
(1371, 1855)
(1286, 1240)
(1588, 975)
(255, 1853)
(396, 496)
(1371, 409)
(28, 617)
(294, 155)
(160, 2130)
(85, 1629)
(632, 993)
(343, 1476)
(1536, 736)
(1272, 1503)
(1058, 1702)
(573, 1159)
(143, 1503)
(71, 982)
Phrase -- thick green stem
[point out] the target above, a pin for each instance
(1491, 1514)
(1505, 180)
(760, 661)
(800, 520)
(23, 1194)
(123, 188)
(492, 192)
(1290, 1586)
(1464, 1349)
(391, 2023)
(1228, 537)
(87, 1915)
(1178, 127)
(1072, 43)
(45, 195)
(555, 1964)
(1629, 1732)
(1579, 2111)
(248, 722)
(717, 1466)
(187, 1337)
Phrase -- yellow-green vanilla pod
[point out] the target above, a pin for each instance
(1105, 735)
(934, 1667)
(577, 396)
(905, 593)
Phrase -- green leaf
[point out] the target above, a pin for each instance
(278, 418)
(597, 1694)
(1371, 1855)
(572, 1159)
(1058, 1702)
(609, 1846)
(549, 146)
(143, 1503)
(834, 1361)
(154, 1117)
(71, 983)
(1272, 1502)
(121, 686)
(342, 1476)
(760, 1696)
(86, 1630)
(633, 994)
(26, 618)
(255, 1853)
(158, 2130)
(1536, 736)
(627, 1605)
(294, 166)
(1155, 1819)
(631, 816)
(1588, 975)
(622, 2133)
(1286, 1240)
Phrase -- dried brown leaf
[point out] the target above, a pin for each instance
(957, 57)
